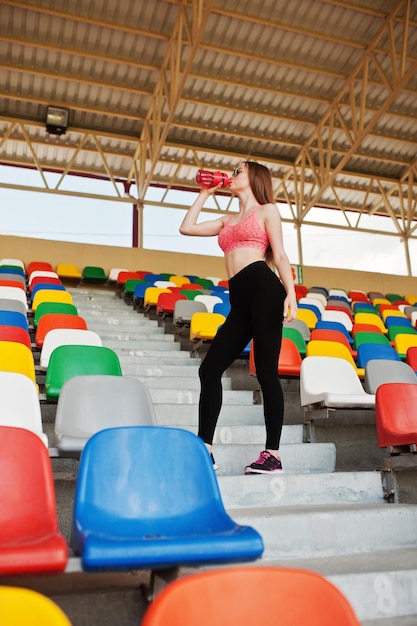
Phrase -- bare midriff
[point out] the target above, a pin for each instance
(237, 259)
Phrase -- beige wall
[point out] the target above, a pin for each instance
(156, 261)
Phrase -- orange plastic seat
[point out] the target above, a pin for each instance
(396, 415)
(325, 334)
(289, 362)
(30, 539)
(239, 595)
(51, 321)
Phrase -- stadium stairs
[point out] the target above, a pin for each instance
(329, 511)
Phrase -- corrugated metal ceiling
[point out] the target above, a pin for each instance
(322, 91)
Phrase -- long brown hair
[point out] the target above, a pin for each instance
(260, 181)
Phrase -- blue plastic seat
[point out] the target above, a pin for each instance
(14, 318)
(40, 286)
(371, 351)
(131, 511)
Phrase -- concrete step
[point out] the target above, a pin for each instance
(327, 530)
(296, 457)
(183, 395)
(380, 585)
(145, 344)
(191, 382)
(287, 489)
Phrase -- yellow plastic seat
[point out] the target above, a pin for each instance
(179, 280)
(16, 357)
(51, 295)
(20, 606)
(152, 294)
(308, 317)
(411, 299)
(402, 342)
(204, 325)
(68, 270)
(391, 313)
(371, 318)
(319, 347)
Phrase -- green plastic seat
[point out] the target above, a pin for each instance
(68, 361)
(295, 335)
(393, 331)
(94, 274)
(368, 337)
(130, 284)
(53, 307)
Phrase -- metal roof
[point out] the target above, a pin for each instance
(324, 92)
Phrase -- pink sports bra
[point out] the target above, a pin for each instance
(247, 233)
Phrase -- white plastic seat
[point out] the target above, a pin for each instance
(338, 316)
(14, 293)
(314, 301)
(90, 403)
(44, 273)
(16, 262)
(66, 336)
(333, 383)
(19, 404)
(208, 301)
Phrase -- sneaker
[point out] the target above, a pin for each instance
(266, 464)
(215, 466)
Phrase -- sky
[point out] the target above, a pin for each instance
(77, 219)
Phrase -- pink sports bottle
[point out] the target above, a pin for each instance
(212, 179)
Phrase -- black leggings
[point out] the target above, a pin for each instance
(257, 301)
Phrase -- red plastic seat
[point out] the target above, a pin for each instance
(30, 539)
(39, 265)
(289, 362)
(396, 414)
(51, 321)
(325, 334)
(411, 357)
(44, 280)
(166, 303)
(15, 333)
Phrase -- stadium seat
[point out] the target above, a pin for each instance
(153, 515)
(16, 357)
(151, 295)
(43, 266)
(179, 280)
(396, 417)
(370, 337)
(14, 293)
(15, 333)
(41, 274)
(375, 351)
(40, 286)
(9, 282)
(88, 404)
(204, 326)
(68, 271)
(183, 312)
(341, 317)
(411, 357)
(332, 382)
(53, 307)
(19, 404)
(301, 326)
(20, 606)
(66, 337)
(289, 362)
(52, 321)
(333, 349)
(393, 331)
(48, 295)
(17, 278)
(30, 539)
(330, 325)
(69, 360)
(307, 316)
(404, 341)
(209, 301)
(38, 280)
(327, 334)
(239, 595)
(114, 274)
(370, 318)
(380, 371)
(12, 262)
(295, 335)
(14, 318)
(94, 274)
(166, 303)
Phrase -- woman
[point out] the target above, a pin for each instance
(251, 241)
